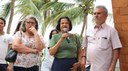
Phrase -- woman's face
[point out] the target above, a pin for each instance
(29, 23)
(64, 24)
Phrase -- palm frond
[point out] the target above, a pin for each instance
(5, 9)
(56, 6)
(29, 9)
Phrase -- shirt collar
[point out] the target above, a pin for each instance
(102, 26)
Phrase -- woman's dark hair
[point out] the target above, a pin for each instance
(18, 26)
(50, 36)
(3, 20)
(23, 25)
(58, 24)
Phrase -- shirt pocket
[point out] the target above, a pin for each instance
(90, 39)
(103, 43)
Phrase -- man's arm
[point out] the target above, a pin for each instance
(10, 66)
(115, 56)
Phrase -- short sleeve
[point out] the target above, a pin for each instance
(78, 41)
(10, 38)
(18, 35)
(52, 41)
(115, 40)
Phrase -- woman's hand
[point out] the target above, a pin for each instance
(65, 35)
(33, 30)
(35, 51)
(75, 66)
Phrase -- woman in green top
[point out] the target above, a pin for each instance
(65, 47)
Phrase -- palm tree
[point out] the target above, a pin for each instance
(33, 7)
(87, 8)
(76, 11)
(53, 10)
(50, 11)
(11, 16)
(5, 9)
(8, 8)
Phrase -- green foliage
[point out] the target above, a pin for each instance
(49, 11)
(5, 9)
(74, 11)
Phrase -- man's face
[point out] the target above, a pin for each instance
(99, 16)
(1, 25)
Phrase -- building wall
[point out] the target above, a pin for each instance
(120, 15)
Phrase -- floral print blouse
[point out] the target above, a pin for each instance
(26, 59)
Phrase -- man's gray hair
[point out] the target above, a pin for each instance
(103, 7)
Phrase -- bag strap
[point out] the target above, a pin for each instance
(75, 37)
(21, 35)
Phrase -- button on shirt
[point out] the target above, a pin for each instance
(100, 42)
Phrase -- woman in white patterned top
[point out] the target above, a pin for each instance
(28, 44)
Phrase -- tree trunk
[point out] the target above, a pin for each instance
(11, 16)
(84, 24)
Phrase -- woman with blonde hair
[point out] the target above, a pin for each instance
(28, 44)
